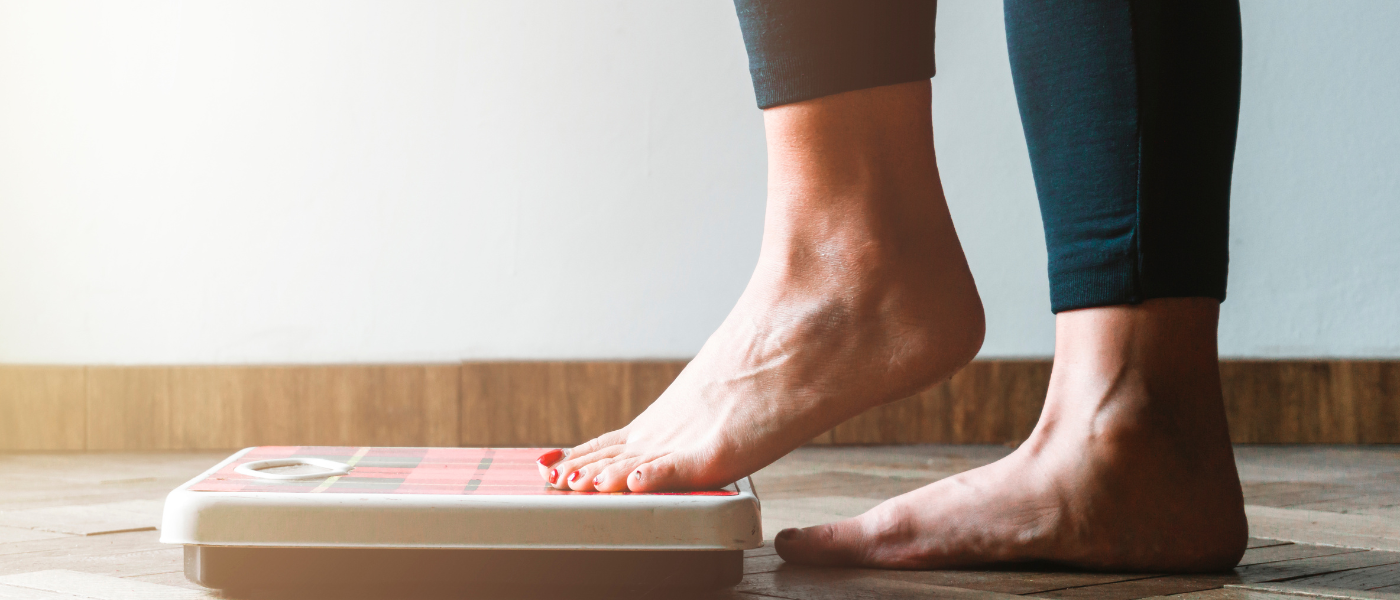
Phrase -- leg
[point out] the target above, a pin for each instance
(1129, 110)
(861, 294)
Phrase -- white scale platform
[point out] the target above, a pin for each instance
(318, 516)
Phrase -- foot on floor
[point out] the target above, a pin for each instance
(1129, 469)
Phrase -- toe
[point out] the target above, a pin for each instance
(584, 478)
(545, 463)
(568, 472)
(613, 478)
(673, 472)
(611, 438)
(889, 536)
(842, 543)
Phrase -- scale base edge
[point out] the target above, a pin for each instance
(260, 568)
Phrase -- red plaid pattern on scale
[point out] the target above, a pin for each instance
(448, 471)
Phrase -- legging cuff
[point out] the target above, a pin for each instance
(805, 49)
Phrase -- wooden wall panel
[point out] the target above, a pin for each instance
(233, 406)
(989, 402)
(565, 403)
(42, 408)
(289, 405)
(556, 403)
(357, 405)
(401, 405)
(128, 408)
(1375, 389)
(510, 403)
(209, 407)
(442, 406)
(1312, 402)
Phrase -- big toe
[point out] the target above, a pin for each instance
(675, 472)
(842, 543)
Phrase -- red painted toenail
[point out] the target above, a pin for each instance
(553, 475)
(597, 481)
(637, 474)
(549, 458)
(574, 476)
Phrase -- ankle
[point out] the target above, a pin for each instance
(852, 172)
(1157, 337)
(850, 141)
(1138, 373)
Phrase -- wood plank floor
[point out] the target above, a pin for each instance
(1325, 521)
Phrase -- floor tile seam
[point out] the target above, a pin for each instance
(1343, 546)
(1304, 591)
(140, 552)
(1349, 550)
(900, 475)
(773, 570)
(14, 554)
(1166, 575)
(180, 571)
(934, 588)
(1323, 491)
(1382, 483)
(1290, 506)
(98, 534)
(1255, 501)
(56, 502)
(1280, 543)
(1089, 585)
(747, 593)
(1284, 487)
(43, 506)
(39, 480)
(67, 552)
(1286, 579)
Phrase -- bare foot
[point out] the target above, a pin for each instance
(861, 296)
(1130, 467)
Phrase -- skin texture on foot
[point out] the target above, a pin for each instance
(1129, 469)
(861, 296)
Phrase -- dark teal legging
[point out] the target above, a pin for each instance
(1129, 108)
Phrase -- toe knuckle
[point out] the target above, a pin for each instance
(885, 523)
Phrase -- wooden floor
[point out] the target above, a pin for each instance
(1325, 521)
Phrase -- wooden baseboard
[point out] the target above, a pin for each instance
(564, 403)
(1313, 401)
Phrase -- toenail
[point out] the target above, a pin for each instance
(551, 457)
(597, 481)
(553, 475)
(574, 476)
(787, 534)
(637, 474)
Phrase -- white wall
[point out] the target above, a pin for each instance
(341, 181)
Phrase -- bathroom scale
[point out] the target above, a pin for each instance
(457, 518)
